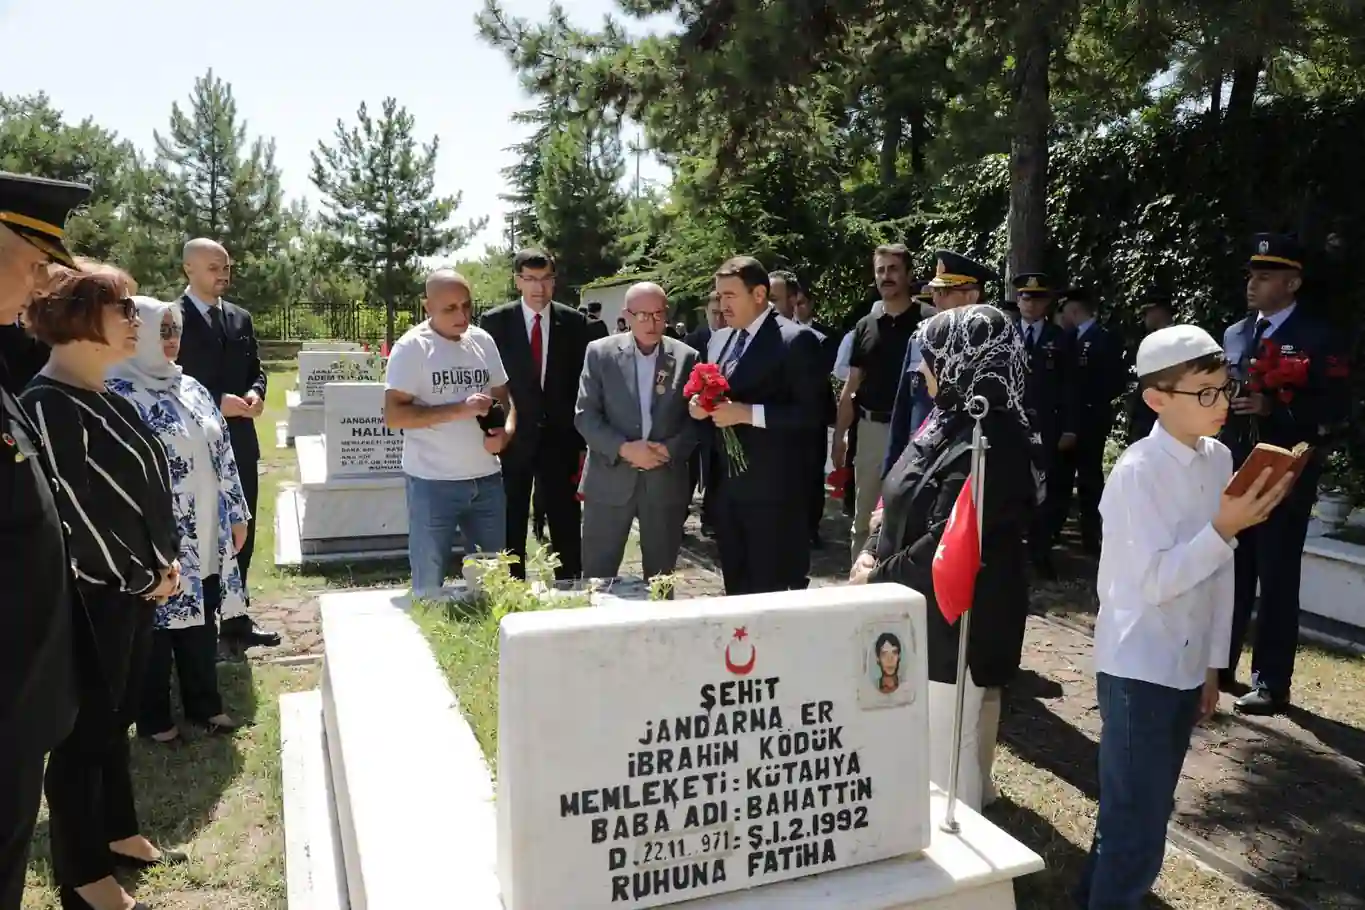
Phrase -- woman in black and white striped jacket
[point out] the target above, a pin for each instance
(113, 491)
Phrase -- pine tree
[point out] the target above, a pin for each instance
(379, 204)
(216, 184)
(579, 204)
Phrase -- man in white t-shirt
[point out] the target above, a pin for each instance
(447, 392)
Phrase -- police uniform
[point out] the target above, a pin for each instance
(1271, 554)
(1047, 403)
(1097, 375)
(1142, 418)
(37, 684)
(912, 404)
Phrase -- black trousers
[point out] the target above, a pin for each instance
(815, 481)
(21, 770)
(1082, 468)
(850, 485)
(549, 470)
(193, 653)
(89, 785)
(1272, 553)
(1044, 524)
(764, 546)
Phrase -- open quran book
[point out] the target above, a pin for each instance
(1279, 461)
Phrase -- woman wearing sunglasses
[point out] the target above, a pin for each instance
(113, 490)
(211, 512)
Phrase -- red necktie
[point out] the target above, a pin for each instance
(537, 349)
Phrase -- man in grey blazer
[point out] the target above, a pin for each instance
(632, 413)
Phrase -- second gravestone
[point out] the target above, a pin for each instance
(649, 755)
(317, 368)
(357, 441)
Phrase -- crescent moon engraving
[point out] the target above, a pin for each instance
(741, 669)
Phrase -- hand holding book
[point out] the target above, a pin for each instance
(1279, 461)
(1239, 511)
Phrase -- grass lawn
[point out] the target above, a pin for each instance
(218, 798)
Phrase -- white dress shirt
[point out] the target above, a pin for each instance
(1031, 331)
(845, 354)
(644, 380)
(1165, 579)
(530, 316)
(1084, 327)
(719, 348)
(202, 305)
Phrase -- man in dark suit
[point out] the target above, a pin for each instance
(542, 344)
(37, 683)
(1156, 314)
(218, 348)
(596, 327)
(1272, 553)
(1046, 398)
(1098, 375)
(775, 400)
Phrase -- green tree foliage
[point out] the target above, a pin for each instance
(380, 209)
(215, 183)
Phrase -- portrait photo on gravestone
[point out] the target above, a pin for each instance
(706, 746)
(886, 650)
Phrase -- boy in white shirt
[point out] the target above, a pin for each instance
(1165, 588)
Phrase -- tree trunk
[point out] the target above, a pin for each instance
(1216, 98)
(892, 126)
(1245, 77)
(919, 127)
(1028, 149)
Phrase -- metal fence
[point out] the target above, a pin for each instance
(309, 320)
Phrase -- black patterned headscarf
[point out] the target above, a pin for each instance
(976, 351)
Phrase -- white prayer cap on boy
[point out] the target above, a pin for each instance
(1173, 345)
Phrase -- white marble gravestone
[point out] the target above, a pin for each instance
(650, 756)
(331, 346)
(358, 443)
(317, 368)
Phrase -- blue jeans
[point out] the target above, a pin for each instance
(1145, 734)
(439, 511)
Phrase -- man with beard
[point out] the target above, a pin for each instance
(37, 683)
(218, 348)
(877, 354)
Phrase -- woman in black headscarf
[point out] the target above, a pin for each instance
(969, 352)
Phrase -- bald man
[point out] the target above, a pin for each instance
(632, 413)
(218, 348)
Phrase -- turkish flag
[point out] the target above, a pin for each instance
(958, 558)
(383, 349)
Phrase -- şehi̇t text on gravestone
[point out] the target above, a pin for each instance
(734, 785)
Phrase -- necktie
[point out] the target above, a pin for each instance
(1262, 326)
(537, 350)
(736, 351)
(1028, 338)
(216, 321)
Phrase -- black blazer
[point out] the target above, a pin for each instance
(1000, 601)
(231, 367)
(596, 329)
(1315, 411)
(22, 355)
(544, 415)
(780, 369)
(1048, 393)
(37, 680)
(1098, 374)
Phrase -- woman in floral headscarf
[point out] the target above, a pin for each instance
(211, 512)
(969, 352)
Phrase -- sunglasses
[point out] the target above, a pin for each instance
(129, 307)
(169, 331)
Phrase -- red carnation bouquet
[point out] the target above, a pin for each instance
(708, 385)
(1274, 372)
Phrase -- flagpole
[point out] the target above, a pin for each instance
(977, 409)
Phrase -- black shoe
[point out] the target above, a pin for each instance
(167, 858)
(1259, 702)
(244, 633)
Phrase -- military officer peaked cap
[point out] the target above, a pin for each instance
(36, 209)
(1275, 251)
(955, 270)
(919, 290)
(1032, 283)
(1155, 297)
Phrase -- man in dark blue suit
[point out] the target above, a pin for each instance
(1272, 553)
(777, 388)
(698, 340)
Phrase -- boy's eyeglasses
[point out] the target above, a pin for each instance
(1208, 396)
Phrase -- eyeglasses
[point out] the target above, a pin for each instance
(129, 307)
(1208, 396)
(537, 279)
(169, 331)
(648, 317)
